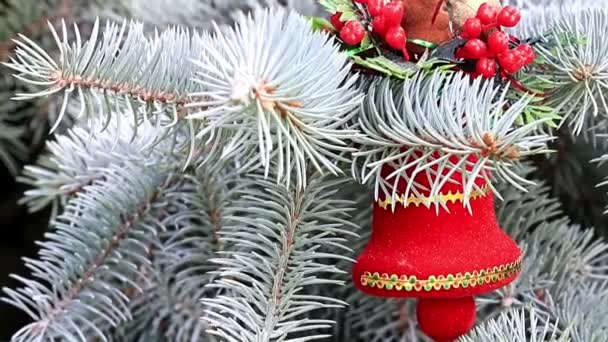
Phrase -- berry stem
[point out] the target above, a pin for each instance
(490, 26)
(518, 85)
(406, 55)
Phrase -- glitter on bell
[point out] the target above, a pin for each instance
(443, 258)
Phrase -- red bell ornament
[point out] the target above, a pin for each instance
(443, 258)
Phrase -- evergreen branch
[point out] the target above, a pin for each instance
(372, 319)
(361, 218)
(181, 266)
(164, 295)
(273, 82)
(31, 118)
(516, 326)
(564, 5)
(559, 256)
(413, 133)
(577, 65)
(97, 248)
(538, 16)
(280, 245)
(367, 318)
(581, 310)
(29, 18)
(202, 13)
(170, 305)
(11, 144)
(521, 213)
(117, 72)
(75, 160)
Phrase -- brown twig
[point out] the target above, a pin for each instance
(491, 149)
(63, 80)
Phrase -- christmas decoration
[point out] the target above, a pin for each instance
(352, 33)
(197, 171)
(443, 257)
(467, 33)
(419, 23)
(489, 47)
(461, 10)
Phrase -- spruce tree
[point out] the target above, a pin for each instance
(213, 166)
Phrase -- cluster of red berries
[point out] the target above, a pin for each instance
(386, 22)
(496, 51)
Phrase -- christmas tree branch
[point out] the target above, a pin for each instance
(575, 62)
(407, 129)
(100, 246)
(11, 144)
(137, 74)
(516, 326)
(30, 23)
(289, 105)
(203, 13)
(549, 239)
(109, 240)
(75, 160)
(295, 232)
(278, 103)
(170, 306)
(30, 118)
(120, 234)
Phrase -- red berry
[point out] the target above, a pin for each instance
(460, 54)
(498, 42)
(472, 28)
(527, 54)
(393, 12)
(521, 59)
(510, 61)
(475, 49)
(395, 37)
(379, 25)
(375, 7)
(486, 13)
(509, 16)
(335, 21)
(486, 67)
(352, 33)
(361, 1)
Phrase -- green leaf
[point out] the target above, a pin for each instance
(329, 5)
(366, 43)
(534, 112)
(358, 50)
(320, 24)
(344, 6)
(347, 13)
(388, 67)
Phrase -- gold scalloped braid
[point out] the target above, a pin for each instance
(441, 198)
(441, 282)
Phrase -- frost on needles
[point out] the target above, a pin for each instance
(209, 186)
